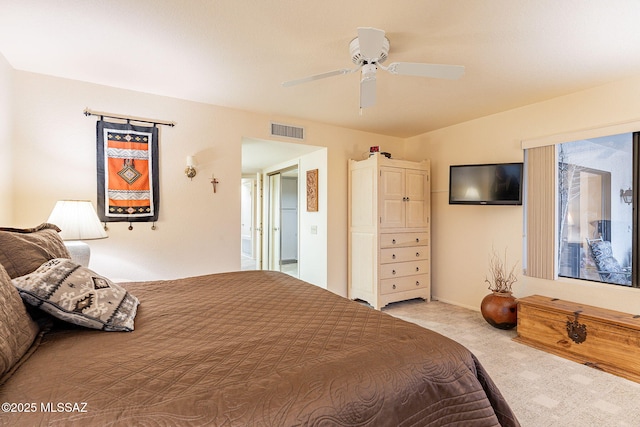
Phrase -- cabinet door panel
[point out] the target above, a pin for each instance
(417, 205)
(392, 204)
(416, 184)
(392, 213)
(392, 183)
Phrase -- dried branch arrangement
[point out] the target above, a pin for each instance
(501, 279)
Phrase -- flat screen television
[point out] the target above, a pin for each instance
(489, 184)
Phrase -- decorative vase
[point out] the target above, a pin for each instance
(500, 310)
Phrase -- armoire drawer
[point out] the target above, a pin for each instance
(393, 240)
(407, 283)
(400, 269)
(416, 253)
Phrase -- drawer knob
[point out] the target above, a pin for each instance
(393, 256)
(417, 268)
(393, 286)
(393, 241)
(393, 272)
(418, 254)
(417, 240)
(417, 283)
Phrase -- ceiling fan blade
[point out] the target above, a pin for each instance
(438, 71)
(367, 92)
(371, 41)
(319, 76)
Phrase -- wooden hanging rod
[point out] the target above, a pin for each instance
(88, 112)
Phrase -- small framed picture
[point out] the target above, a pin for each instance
(312, 190)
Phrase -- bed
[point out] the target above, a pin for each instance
(255, 348)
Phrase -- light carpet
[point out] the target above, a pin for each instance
(542, 389)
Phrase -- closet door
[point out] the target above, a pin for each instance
(275, 262)
(289, 219)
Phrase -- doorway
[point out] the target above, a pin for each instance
(262, 158)
(282, 221)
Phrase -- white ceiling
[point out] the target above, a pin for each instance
(236, 53)
(258, 154)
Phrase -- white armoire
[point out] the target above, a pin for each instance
(389, 230)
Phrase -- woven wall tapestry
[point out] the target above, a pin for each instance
(127, 172)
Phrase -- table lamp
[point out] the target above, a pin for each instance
(78, 221)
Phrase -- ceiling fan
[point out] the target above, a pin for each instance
(368, 51)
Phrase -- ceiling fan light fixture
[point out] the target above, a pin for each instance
(368, 72)
(359, 59)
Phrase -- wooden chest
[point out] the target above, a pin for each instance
(603, 339)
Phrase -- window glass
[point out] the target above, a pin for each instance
(595, 209)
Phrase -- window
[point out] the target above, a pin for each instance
(581, 207)
(595, 222)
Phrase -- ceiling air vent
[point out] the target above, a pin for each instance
(278, 129)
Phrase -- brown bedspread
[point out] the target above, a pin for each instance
(253, 349)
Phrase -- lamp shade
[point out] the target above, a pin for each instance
(77, 219)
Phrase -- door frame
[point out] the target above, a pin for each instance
(256, 218)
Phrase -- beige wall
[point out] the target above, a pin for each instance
(313, 265)
(51, 147)
(198, 232)
(6, 198)
(463, 236)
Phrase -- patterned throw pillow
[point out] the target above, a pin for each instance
(77, 295)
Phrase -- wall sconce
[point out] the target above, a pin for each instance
(627, 196)
(190, 171)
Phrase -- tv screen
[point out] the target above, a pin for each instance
(493, 184)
